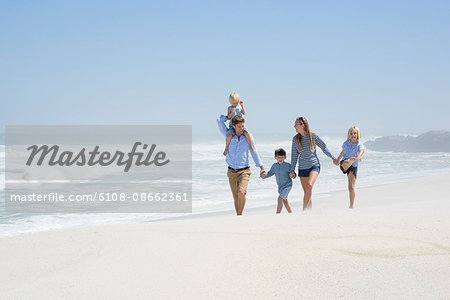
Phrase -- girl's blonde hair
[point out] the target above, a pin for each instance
(234, 98)
(309, 133)
(350, 131)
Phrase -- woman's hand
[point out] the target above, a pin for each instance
(292, 174)
(336, 162)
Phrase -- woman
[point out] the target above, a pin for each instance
(304, 151)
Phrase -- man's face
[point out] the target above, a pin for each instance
(239, 128)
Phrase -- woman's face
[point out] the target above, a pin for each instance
(299, 126)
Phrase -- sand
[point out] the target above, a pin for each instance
(394, 245)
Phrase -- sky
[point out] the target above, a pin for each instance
(383, 66)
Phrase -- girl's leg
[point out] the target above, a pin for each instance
(286, 204)
(280, 204)
(307, 185)
(249, 141)
(227, 144)
(351, 188)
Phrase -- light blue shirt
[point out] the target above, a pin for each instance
(281, 173)
(237, 156)
(351, 150)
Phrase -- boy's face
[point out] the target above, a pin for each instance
(280, 158)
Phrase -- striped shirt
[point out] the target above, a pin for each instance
(307, 159)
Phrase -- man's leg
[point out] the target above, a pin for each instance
(234, 184)
(244, 177)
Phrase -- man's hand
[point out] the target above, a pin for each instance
(262, 174)
(336, 162)
(262, 171)
(292, 174)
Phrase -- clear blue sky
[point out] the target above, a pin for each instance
(381, 65)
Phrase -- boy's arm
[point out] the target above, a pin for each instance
(242, 107)
(270, 173)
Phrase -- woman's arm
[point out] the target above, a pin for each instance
(294, 154)
(318, 141)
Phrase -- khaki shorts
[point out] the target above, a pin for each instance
(238, 181)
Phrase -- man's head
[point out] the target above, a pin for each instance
(238, 125)
(280, 155)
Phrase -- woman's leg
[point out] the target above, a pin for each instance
(307, 185)
(351, 188)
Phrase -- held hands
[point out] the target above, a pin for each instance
(336, 162)
(292, 175)
(262, 172)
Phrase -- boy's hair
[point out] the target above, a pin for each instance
(234, 98)
(350, 131)
(280, 152)
(237, 120)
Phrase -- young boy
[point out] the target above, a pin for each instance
(281, 170)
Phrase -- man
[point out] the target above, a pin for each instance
(238, 162)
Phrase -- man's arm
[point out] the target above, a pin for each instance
(256, 157)
(221, 123)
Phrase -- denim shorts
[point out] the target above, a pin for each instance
(305, 173)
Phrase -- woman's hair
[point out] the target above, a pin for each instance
(298, 137)
(234, 98)
(350, 131)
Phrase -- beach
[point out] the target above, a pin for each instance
(395, 244)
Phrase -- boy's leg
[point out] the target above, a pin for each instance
(280, 204)
(351, 188)
(286, 204)
(227, 144)
(249, 141)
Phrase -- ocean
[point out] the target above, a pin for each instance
(211, 193)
